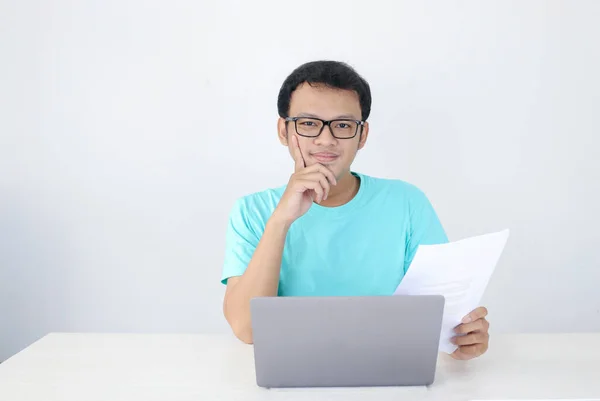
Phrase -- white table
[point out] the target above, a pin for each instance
(90, 367)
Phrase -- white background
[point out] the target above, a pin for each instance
(129, 127)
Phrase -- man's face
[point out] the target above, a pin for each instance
(327, 104)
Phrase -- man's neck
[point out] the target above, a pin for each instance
(342, 193)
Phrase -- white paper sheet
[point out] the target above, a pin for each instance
(460, 271)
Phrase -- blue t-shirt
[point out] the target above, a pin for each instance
(363, 247)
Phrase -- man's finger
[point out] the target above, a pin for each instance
(469, 339)
(314, 186)
(477, 325)
(320, 177)
(329, 174)
(317, 167)
(478, 313)
(297, 154)
(469, 351)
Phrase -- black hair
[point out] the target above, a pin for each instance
(334, 74)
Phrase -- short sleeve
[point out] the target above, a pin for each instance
(425, 227)
(240, 242)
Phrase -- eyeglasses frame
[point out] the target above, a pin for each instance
(359, 123)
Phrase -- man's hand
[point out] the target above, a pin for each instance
(473, 338)
(306, 185)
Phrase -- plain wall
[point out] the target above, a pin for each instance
(128, 128)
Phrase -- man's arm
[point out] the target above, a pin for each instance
(261, 275)
(260, 279)
(472, 335)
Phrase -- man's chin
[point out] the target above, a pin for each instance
(335, 168)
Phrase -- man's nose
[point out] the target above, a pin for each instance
(326, 136)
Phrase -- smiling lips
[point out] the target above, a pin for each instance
(325, 157)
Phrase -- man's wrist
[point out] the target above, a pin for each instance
(278, 222)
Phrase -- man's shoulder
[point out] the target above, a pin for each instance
(395, 187)
(257, 205)
(265, 198)
(407, 198)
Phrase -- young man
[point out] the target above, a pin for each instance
(330, 230)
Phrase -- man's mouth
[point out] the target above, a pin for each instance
(325, 157)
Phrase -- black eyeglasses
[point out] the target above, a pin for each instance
(312, 127)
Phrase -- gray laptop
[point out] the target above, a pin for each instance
(346, 341)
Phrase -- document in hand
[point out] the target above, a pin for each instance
(460, 271)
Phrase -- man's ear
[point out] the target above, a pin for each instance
(363, 135)
(282, 131)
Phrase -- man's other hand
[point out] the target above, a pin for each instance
(472, 335)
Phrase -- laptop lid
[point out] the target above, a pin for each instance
(346, 341)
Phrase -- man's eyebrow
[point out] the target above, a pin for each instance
(308, 115)
(343, 116)
(347, 116)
